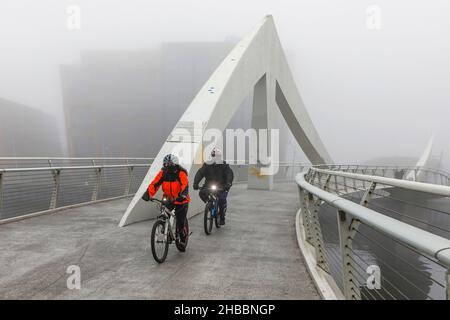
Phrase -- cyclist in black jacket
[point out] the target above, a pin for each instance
(217, 173)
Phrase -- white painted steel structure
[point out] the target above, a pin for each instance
(256, 63)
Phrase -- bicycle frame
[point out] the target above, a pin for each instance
(169, 218)
(214, 200)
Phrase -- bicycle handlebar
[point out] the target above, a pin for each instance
(157, 200)
(215, 189)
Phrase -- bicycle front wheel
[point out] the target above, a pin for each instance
(160, 245)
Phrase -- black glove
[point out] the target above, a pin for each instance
(195, 186)
(146, 196)
(169, 204)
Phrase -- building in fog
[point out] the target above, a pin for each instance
(125, 103)
(27, 132)
(110, 102)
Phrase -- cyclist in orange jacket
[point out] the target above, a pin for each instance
(175, 186)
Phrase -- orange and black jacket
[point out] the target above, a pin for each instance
(174, 184)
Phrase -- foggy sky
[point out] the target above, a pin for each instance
(370, 93)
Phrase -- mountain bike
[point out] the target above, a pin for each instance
(164, 232)
(212, 213)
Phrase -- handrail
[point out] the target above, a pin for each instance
(398, 167)
(4, 170)
(321, 255)
(423, 241)
(405, 184)
(75, 158)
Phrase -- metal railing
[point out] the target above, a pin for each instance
(354, 238)
(31, 186)
(414, 173)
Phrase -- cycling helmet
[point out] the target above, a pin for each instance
(170, 160)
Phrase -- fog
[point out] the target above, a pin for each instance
(371, 93)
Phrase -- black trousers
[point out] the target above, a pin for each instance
(222, 200)
(181, 213)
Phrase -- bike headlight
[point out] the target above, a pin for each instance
(164, 199)
(213, 187)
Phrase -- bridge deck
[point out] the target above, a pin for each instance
(254, 257)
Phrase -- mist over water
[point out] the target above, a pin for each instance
(372, 92)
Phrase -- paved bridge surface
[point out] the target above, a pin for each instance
(255, 256)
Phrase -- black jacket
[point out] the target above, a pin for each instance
(215, 173)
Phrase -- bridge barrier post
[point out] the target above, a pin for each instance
(347, 230)
(316, 230)
(364, 172)
(54, 197)
(313, 176)
(98, 173)
(344, 179)
(130, 179)
(305, 215)
(326, 185)
(368, 194)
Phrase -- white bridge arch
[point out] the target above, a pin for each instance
(256, 63)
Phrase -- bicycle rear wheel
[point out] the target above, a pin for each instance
(159, 243)
(207, 220)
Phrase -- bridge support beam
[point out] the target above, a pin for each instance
(263, 105)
